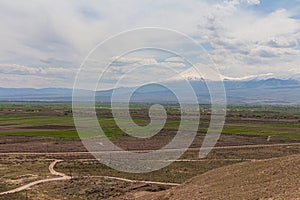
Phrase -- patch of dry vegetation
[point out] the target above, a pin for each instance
(267, 179)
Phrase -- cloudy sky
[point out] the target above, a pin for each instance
(43, 43)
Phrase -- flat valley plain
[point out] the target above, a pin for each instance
(34, 135)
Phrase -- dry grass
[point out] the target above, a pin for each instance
(268, 179)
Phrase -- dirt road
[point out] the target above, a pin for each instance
(141, 151)
(52, 171)
(64, 177)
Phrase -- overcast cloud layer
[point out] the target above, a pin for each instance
(44, 42)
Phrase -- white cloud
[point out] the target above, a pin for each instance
(253, 2)
(27, 70)
(50, 38)
(134, 60)
(30, 81)
(174, 64)
(245, 42)
(175, 59)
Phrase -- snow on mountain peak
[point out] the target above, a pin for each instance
(192, 75)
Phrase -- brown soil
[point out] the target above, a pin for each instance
(51, 127)
(88, 188)
(11, 129)
(39, 144)
(50, 144)
(158, 142)
(268, 179)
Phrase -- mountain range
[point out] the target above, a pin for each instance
(248, 90)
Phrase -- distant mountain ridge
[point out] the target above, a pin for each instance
(254, 91)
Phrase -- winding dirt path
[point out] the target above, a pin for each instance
(64, 177)
(133, 181)
(52, 171)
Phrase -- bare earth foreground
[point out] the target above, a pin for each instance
(266, 179)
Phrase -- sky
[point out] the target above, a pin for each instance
(43, 43)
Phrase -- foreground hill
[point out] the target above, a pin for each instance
(269, 179)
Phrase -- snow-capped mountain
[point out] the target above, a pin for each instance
(192, 74)
(252, 89)
(250, 77)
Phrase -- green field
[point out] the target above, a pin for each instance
(55, 120)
